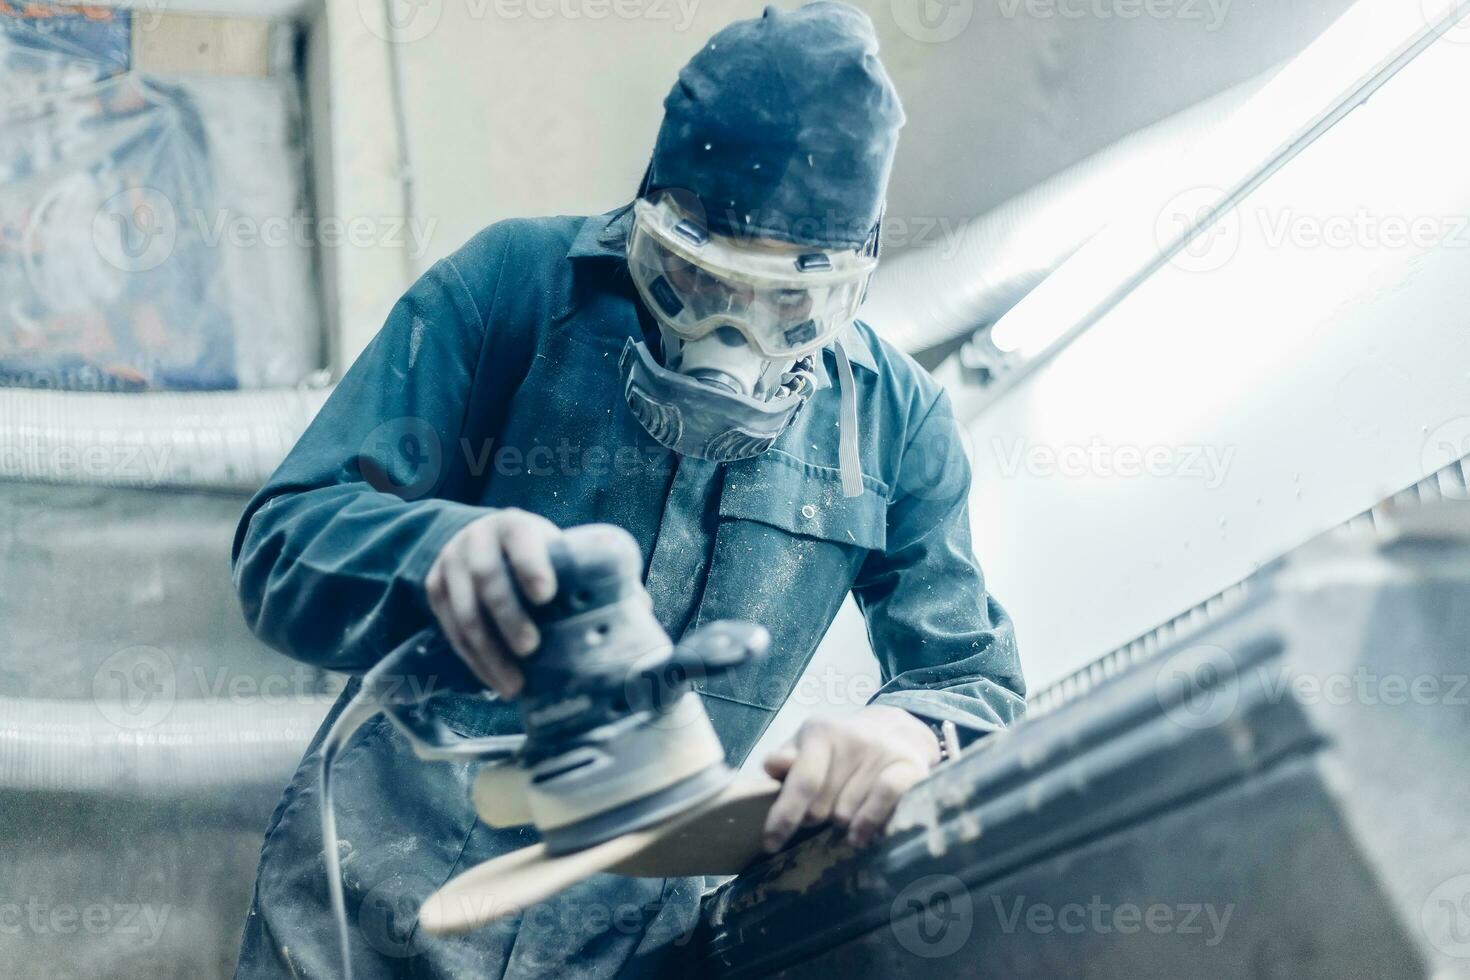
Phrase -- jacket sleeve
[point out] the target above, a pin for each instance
(946, 648)
(330, 555)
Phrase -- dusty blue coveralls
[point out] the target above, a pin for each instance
(494, 383)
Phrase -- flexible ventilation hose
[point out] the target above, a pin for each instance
(927, 296)
(228, 440)
(195, 748)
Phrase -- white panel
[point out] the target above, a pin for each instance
(1311, 94)
(1311, 378)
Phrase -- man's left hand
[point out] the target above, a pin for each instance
(848, 770)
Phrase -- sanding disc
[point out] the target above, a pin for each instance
(720, 837)
(506, 886)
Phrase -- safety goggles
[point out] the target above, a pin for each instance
(785, 304)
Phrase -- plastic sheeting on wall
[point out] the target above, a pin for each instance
(154, 232)
(48, 49)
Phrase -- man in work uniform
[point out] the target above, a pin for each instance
(688, 368)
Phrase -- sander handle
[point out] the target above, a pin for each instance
(719, 647)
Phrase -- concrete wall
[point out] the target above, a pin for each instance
(527, 107)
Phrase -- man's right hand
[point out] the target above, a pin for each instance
(471, 593)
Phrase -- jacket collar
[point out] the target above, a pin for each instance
(858, 353)
(605, 236)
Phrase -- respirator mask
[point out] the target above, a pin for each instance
(742, 324)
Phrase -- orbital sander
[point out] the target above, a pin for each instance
(618, 766)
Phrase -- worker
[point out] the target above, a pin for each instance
(688, 367)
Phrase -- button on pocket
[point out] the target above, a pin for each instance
(801, 498)
(788, 547)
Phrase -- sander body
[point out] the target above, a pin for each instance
(616, 749)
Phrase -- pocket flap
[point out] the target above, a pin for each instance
(778, 489)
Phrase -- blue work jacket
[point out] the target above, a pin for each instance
(495, 383)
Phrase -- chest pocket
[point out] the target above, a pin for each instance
(802, 499)
(787, 550)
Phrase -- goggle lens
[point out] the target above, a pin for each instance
(779, 320)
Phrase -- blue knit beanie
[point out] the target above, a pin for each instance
(784, 127)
